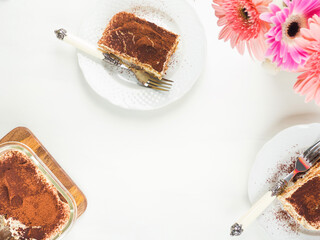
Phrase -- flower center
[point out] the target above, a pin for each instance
(244, 13)
(293, 29)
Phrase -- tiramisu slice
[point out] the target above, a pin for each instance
(139, 42)
(302, 200)
(30, 206)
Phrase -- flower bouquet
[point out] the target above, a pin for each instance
(285, 32)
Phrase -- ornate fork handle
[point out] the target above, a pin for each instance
(61, 33)
(252, 214)
(279, 187)
(79, 43)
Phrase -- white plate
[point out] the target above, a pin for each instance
(121, 88)
(280, 150)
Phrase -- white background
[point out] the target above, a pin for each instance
(178, 173)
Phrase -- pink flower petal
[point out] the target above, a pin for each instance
(315, 30)
(266, 16)
(274, 8)
(295, 55)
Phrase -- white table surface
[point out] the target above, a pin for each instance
(178, 173)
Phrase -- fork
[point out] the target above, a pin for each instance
(144, 78)
(304, 162)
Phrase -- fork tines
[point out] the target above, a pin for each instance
(166, 80)
(162, 85)
(313, 153)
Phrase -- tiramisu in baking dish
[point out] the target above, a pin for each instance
(139, 42)
(302, 200)
(31, 207)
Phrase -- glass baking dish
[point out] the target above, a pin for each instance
(17, 146)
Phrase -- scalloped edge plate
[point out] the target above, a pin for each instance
(185, 67)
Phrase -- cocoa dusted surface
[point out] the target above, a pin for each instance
(28, 198)
(306, 200)
(140, 39)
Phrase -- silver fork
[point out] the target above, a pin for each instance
(304, 162)
(144, 78)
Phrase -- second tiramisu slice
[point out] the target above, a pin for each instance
(302, 200)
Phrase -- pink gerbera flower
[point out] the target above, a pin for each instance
(308, 82)
(287, 22)
(242, 25)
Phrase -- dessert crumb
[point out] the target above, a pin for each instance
(286, 221)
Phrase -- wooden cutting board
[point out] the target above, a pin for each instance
(25, 136)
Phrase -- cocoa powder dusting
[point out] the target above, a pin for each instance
(282, 169)
(142, 40)
(26, 196)
(286, 221)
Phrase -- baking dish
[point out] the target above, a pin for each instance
(63, 193)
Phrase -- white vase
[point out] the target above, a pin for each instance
(270, 67)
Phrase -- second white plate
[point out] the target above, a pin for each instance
(121, 88)
(273, 163)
